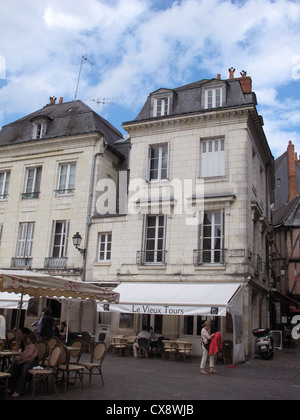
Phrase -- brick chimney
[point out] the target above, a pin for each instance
(52, 100)
(246, 82)
(292, 178)
(231, 73)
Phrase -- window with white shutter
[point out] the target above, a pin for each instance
(212, 158)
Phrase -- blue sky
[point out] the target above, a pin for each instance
(138, 46)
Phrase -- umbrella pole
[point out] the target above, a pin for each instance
(18, 320)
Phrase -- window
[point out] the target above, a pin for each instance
(66, 178)
(212, 158)
(60, 239)
(4, 182)
(161, 107)
(213, 98)
(158, 160)
(212, 239)
(154, 240)
(32, 183)
(104, 247)
(25, 240)
(40, 130)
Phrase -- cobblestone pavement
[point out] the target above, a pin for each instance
(130, 379)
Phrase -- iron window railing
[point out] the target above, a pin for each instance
(209, 256)
(151, 257)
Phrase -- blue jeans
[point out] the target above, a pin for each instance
(19, 375)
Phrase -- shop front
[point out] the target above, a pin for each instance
(178, 310)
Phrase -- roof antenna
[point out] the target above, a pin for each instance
(83, 59)
(105, 101)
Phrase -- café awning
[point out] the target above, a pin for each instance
(12, 301)
(173, 298)
(43, 285)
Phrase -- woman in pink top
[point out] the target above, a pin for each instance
(27, 360)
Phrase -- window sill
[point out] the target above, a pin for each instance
(152, 266)
(211, 267)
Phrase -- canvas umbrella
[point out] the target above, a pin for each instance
(43, 285)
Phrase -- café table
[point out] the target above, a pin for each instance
(6, 355)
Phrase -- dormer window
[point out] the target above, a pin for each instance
(161, 107)
(161, 102)
(40, 125)
(213, 98)
(40, 130)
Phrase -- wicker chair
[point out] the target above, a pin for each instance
(50, 372)
(68, 368)
(143, 344)
(4, 378)
(98, 354)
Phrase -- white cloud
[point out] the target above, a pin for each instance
(140, 45)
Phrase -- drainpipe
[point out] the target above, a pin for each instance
(88, 224)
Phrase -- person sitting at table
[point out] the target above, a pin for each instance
(143, 334)
(63, 331)
(21, 336)
(27, 360)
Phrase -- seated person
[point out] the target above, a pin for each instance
(19, 370)
(142, 334)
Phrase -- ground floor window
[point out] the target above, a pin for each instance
(126, 321)
(193, 324)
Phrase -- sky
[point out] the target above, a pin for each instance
(134, 47)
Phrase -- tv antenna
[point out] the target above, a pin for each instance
(83, 59)
(105, 101)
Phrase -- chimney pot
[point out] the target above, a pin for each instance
(61, 100)
(218, 76)
(231, 73)
(52, 100)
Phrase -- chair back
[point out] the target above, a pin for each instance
(99, 351)
(10, 335)
(102, 336)
(79, 344)
(143, 343)
(52, 342)
(43, 351)
(55, 357)
(2, 344)
(65, 356)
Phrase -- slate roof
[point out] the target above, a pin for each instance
(188, 99)
(66, 119)
(288, 214)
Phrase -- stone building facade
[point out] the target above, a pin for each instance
(200, 187)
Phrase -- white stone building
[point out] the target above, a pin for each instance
(201, 176)
(49, 162)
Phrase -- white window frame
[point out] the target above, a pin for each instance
(160, 159)
(158, 250)
(104, 247)
(213, 158)
(4, 184)
(216, 253)
(66, 181)
(213, 98)
(25, 240)
(161, 106)
(59, 248)
(40, 130)
(32, 182)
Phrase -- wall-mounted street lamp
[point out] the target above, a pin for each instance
(77, 241)
(282, 271)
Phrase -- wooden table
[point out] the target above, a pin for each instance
(4, 354)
